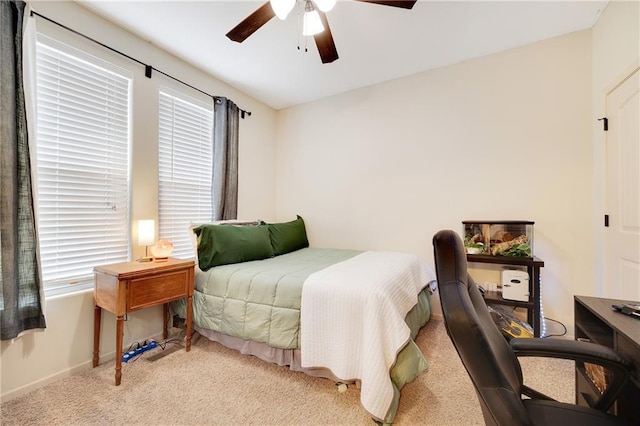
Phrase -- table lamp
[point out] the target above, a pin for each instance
(146, 237)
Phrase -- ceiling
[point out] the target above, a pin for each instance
(375, 43)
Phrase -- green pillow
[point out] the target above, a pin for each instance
(225, 244)
(288, 236)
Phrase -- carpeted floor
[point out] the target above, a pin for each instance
(215, 385)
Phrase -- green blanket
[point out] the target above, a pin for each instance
(260, 300)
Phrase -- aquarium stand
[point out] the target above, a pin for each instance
(533, 305)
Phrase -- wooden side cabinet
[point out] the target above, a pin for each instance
(125, 287)
(596, 321)
(533, 265)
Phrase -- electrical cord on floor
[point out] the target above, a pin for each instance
(173, 340)
(556, 321)
(134, 349)
(178, 339)
(133, 346)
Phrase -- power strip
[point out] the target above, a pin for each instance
(134, 353)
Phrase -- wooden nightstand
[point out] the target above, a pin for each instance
(125, 287)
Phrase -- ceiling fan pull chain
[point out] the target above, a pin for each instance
(299, 32)
(306, 38)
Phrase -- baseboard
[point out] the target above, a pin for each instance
(23, 390)
(30, 387)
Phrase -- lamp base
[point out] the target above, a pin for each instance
(146, 257)
(160, 259)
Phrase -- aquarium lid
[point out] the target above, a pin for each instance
(497, 222)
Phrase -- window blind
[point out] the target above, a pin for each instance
(184, 169)
(82, 164)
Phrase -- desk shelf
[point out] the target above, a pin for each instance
(596, 322)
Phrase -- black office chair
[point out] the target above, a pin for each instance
(492, 362)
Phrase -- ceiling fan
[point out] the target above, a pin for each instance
(323, 39)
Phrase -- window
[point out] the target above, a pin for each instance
(185, 162)
(82, 163)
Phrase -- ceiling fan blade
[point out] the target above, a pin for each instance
(324, 42)
(405, 4)
(251, 23)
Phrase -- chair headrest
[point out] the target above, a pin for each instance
(450, 257)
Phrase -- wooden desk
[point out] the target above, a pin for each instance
(125, 287)
(597, 322)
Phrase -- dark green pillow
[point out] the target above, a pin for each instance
(288, 236)
(225, 244)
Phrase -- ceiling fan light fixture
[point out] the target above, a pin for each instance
(325, 5)
(312, 24)
(282, 8)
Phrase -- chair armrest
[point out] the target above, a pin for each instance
(568, 349)
(582, 352)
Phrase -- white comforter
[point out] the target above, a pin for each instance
(352, 319)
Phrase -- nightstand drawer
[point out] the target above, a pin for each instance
(157, 289)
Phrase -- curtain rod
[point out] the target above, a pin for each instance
(147, 68)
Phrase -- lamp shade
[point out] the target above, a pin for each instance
(282, 7)
(325, 5)
(146, 232)
(312, 23)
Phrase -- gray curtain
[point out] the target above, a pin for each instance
(225, 160)
(20, 278)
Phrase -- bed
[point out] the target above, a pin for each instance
(347, 315)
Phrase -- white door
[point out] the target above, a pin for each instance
(622, 236)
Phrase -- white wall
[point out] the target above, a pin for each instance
(506, 136)
(68, 340)
(616, 53)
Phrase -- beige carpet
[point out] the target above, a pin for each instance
(215, 385)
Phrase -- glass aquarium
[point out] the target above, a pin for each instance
(499, 238)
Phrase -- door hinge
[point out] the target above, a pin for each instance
(605, 123)
(606, 220)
